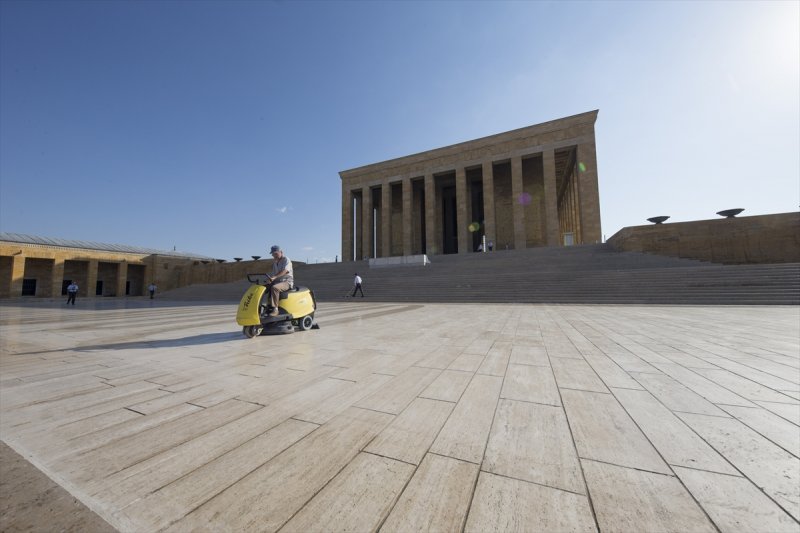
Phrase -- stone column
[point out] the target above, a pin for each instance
(551, 230)
(358, 237)
(347, 224)
(517, 205)
(122, 277)
(91, 279)
(407, 212)
(198, 275)
(488, 201)
(386, 219)
(431, 246)
(462, 221)
(366, 223)
(57, 278)
(17, 274)
(576, 218)
(588, 194)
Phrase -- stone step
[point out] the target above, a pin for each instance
(579, 274)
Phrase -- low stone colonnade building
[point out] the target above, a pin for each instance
(44, 267)
(534, 186)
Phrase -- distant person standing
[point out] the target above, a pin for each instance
(152, 288)
(72, 291)
(357, 286)
(491, 245)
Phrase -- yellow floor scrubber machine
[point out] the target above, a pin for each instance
(296, 308)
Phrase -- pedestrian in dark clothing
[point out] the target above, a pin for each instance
(72, 291)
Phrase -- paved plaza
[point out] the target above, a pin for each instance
(407, 417)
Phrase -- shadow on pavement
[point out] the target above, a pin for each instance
(194, 340)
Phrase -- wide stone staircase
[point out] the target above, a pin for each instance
(580, 274)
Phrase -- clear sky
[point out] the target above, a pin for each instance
(219, 128)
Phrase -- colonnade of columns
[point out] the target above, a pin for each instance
(369, 220)
(50, 274)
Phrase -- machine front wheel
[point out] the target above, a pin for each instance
(306, 322)
(252, 331)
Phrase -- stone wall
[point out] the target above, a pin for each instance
(50, 266)
(754, 239)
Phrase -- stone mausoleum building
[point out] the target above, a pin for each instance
(534, 186)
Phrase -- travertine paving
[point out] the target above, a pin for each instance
(396, 417)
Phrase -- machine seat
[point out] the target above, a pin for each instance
(296, 288)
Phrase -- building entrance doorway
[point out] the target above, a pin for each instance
(28, 287)
(449, 221)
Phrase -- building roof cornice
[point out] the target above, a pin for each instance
(23, 238)
(589, 117)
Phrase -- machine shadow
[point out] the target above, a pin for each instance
(194, 340)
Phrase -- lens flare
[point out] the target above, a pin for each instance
(475, 226)
(524, 198)
(581, 167)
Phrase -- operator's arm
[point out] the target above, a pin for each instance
(278, 275)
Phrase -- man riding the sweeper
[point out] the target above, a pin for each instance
(281, 279)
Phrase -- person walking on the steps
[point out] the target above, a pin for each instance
(152, 288)
(72, 291)
(357, 286)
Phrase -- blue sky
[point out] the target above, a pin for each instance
(219, 128)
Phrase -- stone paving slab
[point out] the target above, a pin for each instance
(162, 416)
